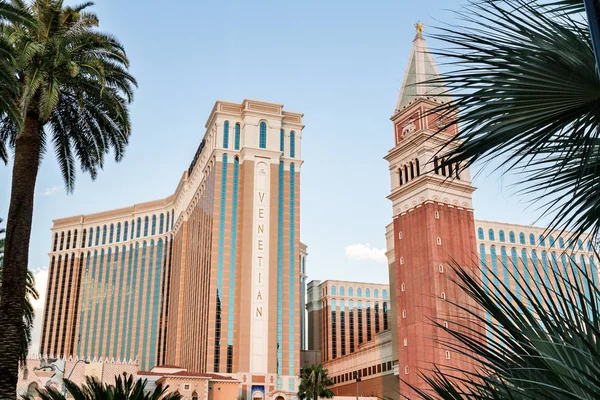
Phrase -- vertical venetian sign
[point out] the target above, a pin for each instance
(260, 263)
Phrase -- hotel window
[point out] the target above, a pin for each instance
(552, 241)
(542, 241)
(384, 294)
(511, 236)
(522, 238)
(561, 243)
(491, 234)
(90, 242)
(480, 233)
(132, 225)
(62, 240)
(501, 236)
(368, 293)
(385, 316)
(172, 218)
(359, 292)
(531, 239)
(138, 228)
(369, 334)
(146, 222)
(292, 144)
(350, 292)
(281, 140)
(351, 323)
(68, 240)
(332, 292)
(579, 243)
(168, 220)
(262, 143)
(342, 291)
(118, 232)
(153, 225)
(360, 323)
(237, 136)
(376, 317)
(82, 239)
(104, 234)
(333, 330)
(161, 223)
(226, 134)
(125, 226)
(55, 242)
(375, 293)
(343, 327)
(570, 244)
(111, 234)
(590, 246)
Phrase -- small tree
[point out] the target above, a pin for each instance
(314, 381)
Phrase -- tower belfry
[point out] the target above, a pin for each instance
(432, 222)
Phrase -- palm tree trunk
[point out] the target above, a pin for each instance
(16, 253)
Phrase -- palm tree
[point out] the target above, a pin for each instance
(543, 344)
(313, 383)
(73, 92)
(526, 92)
(29, 314)
(125, 388)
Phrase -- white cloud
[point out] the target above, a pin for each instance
(51, 191)
(41, 281)
(360, 252)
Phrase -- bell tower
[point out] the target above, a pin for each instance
(432, 225)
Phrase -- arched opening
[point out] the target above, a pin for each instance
(436, 166)
(418, 167)
(443, 167)
(412, 171)
(195, 395)
(400, 176)
(405, 173)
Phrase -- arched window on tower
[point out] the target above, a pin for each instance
(532, 239)
(450, 170)
(511, 236)
(262, 141)
(491, 234)
(436, 166)
(522, 238)
(226, 135)
(480, 233)
(405, 174)
(552, 241)
(501, 236)
(417, 167)
(458, 171)
(412, 171)
(443, 168)
(292, 144)
(237, 136)
(400, 176)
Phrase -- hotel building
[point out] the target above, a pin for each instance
(211, 278)
(349, 325)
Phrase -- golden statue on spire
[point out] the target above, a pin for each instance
(419, 26)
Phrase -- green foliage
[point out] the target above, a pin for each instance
(526, 92)
(125, 388)
(29, 314)
(314, 383)
(539, 342)
(73, 79)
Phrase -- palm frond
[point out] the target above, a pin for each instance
(532, 343)
(525, 91)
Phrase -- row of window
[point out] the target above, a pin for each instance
(359, 293)
(372, 370)
(409, 171)
(262, 140)
(541, 239)
(448, 170)
(115, 233)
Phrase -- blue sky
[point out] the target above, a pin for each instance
(341, 63)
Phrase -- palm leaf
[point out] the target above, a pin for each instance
(525, 92)
(540, 342)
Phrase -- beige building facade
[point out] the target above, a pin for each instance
(210, 278)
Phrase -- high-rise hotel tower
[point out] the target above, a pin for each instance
(210, 278)
(432, 224)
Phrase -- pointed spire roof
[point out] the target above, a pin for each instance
(421, 68)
